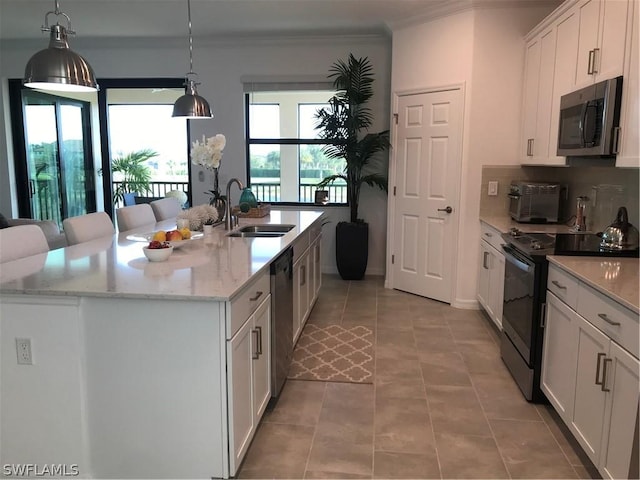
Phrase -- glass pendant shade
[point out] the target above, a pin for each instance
(58, 67)
(191, 105)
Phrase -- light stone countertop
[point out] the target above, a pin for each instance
(504, 224)
(614, 277)
(213, 268)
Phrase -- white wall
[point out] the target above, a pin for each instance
(220, 65)
(482, 49)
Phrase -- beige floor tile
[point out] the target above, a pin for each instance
(405, 386)
(355, 319)
(443, 368)
(469, 332)
(335, 475)
(568, 444)
(337, 456)
(502, 399)
(278, 451)
(434, 339)
(300, 403)
(403, 425)
(481, 356)
(530, 451)
(456, 410)
(428, 318)
(469, 456)
(405, 465)
(347, 413)
(395, 320)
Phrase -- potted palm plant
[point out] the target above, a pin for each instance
(135, 174)
(345, 122)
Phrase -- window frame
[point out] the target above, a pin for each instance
(278, 141)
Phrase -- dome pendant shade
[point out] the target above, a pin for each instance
(191, 105)
(58, 67)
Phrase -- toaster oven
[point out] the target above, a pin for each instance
(535, 202)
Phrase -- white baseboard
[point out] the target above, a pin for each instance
(465, 304)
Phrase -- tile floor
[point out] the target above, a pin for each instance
(443, 405)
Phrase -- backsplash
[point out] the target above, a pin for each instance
(579, 180)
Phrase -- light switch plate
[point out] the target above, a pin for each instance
(493, 188)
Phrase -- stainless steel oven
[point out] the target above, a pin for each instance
(522, 317)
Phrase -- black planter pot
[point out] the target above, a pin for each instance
(352, 249)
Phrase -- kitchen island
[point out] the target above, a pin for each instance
(139, 369)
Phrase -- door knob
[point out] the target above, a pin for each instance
(448, 209)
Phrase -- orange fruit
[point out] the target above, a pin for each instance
(186, 233)
(160, 236)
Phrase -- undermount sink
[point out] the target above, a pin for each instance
(266, 228)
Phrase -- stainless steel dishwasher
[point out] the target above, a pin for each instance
(281, 319)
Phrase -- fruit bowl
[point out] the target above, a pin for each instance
(157, 254)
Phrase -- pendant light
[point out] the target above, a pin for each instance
(191, 105)
(58, 67)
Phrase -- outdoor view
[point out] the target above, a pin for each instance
(284, 165)
(148, 150)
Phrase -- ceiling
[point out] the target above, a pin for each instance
(21, 19)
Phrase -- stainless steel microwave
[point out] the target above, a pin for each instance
(589, 120)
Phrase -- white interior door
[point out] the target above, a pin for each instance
(428, 155)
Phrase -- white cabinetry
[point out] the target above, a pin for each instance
(601, 44)
(590, 371)
(307, 276)
(491, 273)
(585, 41)
(248, 368)
(629, 154)
(538, 96)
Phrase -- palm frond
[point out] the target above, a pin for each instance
(330, 179)
(376, 180)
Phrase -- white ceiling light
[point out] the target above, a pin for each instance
(58, 67)
(191, 105)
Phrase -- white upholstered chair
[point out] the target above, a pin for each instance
(87, 227)
(135, 216)
(21, 241)
(166, 208)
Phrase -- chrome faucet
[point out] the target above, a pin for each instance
(231, 221)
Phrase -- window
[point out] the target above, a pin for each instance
(285, 157)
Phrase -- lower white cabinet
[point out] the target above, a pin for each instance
(316, 268)
(491, 274)
(248, 380)
(590, 379)
(300, 294)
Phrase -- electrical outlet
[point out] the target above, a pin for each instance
(493, 188)
(23, 347)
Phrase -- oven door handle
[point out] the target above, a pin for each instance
(513, 257)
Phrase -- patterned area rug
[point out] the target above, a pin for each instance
(332, 353)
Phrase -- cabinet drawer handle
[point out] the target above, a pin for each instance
(603, 386)
(590, 62)
(608, 320)
(599, 382)
(259, 329)
(255, 354)
(303, 275)
(594, 66)
(484, 260)
(559, 285)
(258, 295)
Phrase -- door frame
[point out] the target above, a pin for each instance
(391, 200)
(21, 171)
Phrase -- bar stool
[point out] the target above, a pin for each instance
(87, 227)
(134, 216)
(21, 241)
(166, 208)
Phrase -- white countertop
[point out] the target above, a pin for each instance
(214, 268)
(615, 277)
(504, 224)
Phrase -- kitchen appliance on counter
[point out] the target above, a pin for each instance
(281, 319)
(581, 214)
(525, 290)
(535, 202)
(620, 235)
(589, 120)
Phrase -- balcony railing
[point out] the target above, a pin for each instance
(157, 189)
(270, 192)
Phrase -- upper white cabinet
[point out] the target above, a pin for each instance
(538, 97)
(628, 155)
(603, 28)
(582, 42)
